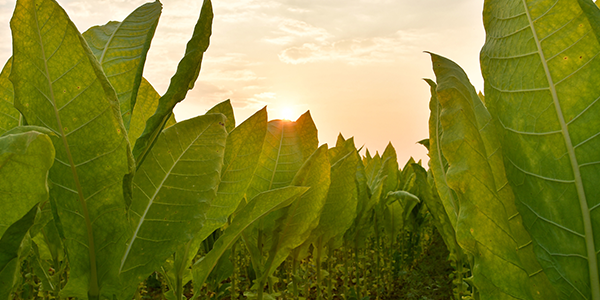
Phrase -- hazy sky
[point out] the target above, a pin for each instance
(357, 65)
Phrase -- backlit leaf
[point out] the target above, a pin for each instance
(121, 49)
(544, 93)
(172, 191)
(59, 84)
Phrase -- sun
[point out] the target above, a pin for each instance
(286, 113)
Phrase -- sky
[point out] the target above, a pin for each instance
(357, 65)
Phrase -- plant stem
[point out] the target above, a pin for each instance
(318, 263)
(356, 262)
(295, 277)
(233, 276)
(329, 261)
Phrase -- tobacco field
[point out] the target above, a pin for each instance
(103, 195)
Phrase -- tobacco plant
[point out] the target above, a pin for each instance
(515, 170)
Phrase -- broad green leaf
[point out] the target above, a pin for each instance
(9, 116)
(226, 109)
(59, 84)
(121, 49)
(393, 221)
(389, 169)
(302, 216)
(242, 151)
(10, 243)
(429, 195)
(545, 98)
(172, 191)
(25, 159)
(372, 167)
(541, 288)
(437, 161)
(339, 210)
(497, 268)
(183, 80)
(258, 207)
(26, 155)
(145, 105)
(287, 145)
(361, 227)
(397, 208)
(406, 175)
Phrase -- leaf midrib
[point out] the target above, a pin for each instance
(94, 287)
(587, 223)
(107, 46)
(158, 189)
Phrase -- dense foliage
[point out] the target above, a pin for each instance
(105, 196)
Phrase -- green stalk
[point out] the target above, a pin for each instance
(295, 276)
(329, 281)
(179, 272)
(233, 276)
(347, 278)
(271, 285)
(356, 262)
(318, 262)
(377, 257)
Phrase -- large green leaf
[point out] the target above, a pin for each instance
(361, 226)
(256, 208)
(389, 170)
(497, 268)
(540, 64)
(183, 80)
(287, 145)
(242, 151)
(429, 195)
(121, 49)
(9, 116)
(339, 210)
(26, 155)
(25, 158)
(172, 191)
(372, 167)
(302, 216)
(437, 161)
(59, 84)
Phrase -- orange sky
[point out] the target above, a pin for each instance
(357, 65)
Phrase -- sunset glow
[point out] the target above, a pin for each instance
(356, 65)
(287, 113)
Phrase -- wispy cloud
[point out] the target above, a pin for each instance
(356, 51)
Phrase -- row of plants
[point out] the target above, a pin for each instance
(102, 188)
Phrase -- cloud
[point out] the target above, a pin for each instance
(303, 29)
(356, 51)
(229, 67)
